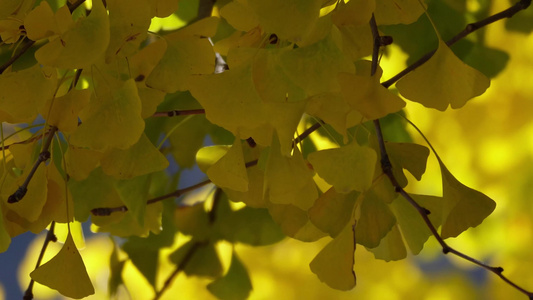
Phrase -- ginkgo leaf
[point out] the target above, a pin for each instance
(315, 67)
(409, 156)
(235, 285)
(193, 130)
(134, 193)
(80, 162)
(230, 170)
(81, 45)
(442, 81)
(254, 196)
(128, 26)
(239, 15)
(40, 23)
(289, 180)
(193, 220)
(126, 224)
(187, 54)
(375, 220)
(140, 159)
(413, 228)
(348, 168)
(332, 211)
(398, 11)
(391, 246)
(163, 8)
(334, 264)
(23, 93)
(353, 12)
(288, 19)
(294, 222)
(111, 120)
(63, 111)
(65, 272)
(365, 94)
(203, 262)
(463, 207)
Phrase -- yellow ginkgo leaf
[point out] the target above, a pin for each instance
(365, 94)
(334, 264)
(163, 8)
(63, 111)
(140, 159)
(82, 45)
(332, 211)
(463, 207)
(230, 171)
(443, 80)
(80, 162)
(111, 120)
(40, 22)
(349, 168)
(375, 220)
(294, 222)
(239, 15)
(390, 12)
(23, 93)
(65, 272)
(288, 19)
(356, 12)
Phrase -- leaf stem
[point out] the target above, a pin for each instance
(386, 167)
(50, 236)
(511, 11)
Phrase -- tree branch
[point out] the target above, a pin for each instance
(511, 11)
(50, 237)
(174, 113)
(386, 167)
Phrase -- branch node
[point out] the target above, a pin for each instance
(445, 249)
(101, 211)
(385, 40)
(17, 195)
(498, 270)
(44, 156)
(426, 211)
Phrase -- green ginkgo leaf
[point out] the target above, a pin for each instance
(442, 81)
(463, 207)
(65, 272)
(398, 11)
(348, 168)
(295, 223)
(235, 285)
(334, 264)
(203, 262)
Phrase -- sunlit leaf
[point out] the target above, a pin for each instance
(443, 80)
(235, 284)
(65, 273)
(349, 168)
(334, 264)
(111, 120)
(81, 45)
(353, 13)
(365, 94)
(463, 207)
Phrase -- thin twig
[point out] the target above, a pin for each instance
(511, 11)
(43, 156)
(190, 253)
(386, 167)
(50, 237)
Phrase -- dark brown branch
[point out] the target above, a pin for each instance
(308, 131)
(174, 113)
(50, 237)
(511, 11)
(43, 156)
(386, 167)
